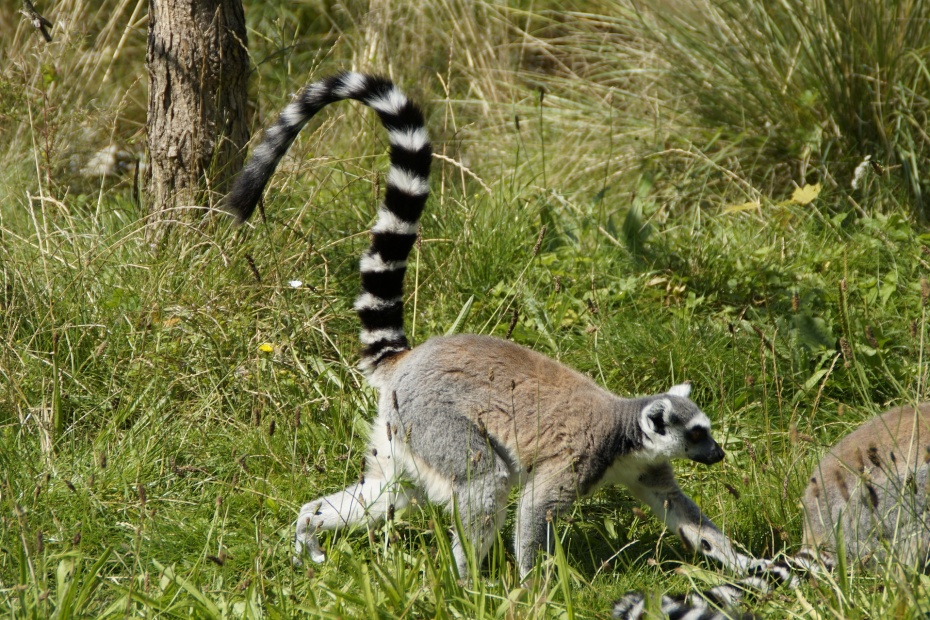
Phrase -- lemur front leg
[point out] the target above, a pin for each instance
(658, 488)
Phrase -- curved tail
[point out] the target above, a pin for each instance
(719, 602)
(383, 265)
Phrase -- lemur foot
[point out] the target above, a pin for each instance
(305, 540)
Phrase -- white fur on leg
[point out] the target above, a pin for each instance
(305, 538)
(367, 501)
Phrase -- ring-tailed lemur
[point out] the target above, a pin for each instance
(466, 418)
(871, 487)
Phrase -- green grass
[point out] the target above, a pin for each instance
(153, 455)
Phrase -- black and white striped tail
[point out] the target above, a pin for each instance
(383, 265)
(719, 602)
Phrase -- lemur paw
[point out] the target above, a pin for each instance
(305, 540)
(310, 546)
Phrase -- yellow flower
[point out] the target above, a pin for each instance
(266, 347)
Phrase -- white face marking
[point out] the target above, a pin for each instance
(373, 263)
(389, 103)
(700, 420)
(371, 336)
(367, 301)
(293, 116)
(407, 182)
(353, 85)
(390, 223)
(668, 444)
(410, 139)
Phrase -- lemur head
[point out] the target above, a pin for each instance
(674, 428)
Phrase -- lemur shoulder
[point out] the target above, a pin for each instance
(871, 488)
(466, 418)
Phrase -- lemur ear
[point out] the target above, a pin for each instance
(682, 389)
(654, 416)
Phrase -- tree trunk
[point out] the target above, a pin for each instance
(198, 67)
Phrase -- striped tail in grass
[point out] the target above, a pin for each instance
(383, 265)
(719, 602)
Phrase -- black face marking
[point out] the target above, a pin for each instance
(658, 421)
(696, 434)
(705, 544)
(684, 539)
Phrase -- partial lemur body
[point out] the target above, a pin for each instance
(870, 488)
(467, 418)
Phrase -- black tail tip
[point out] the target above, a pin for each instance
(243, 198)
(239, 214)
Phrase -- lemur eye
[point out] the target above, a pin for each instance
(696, 435)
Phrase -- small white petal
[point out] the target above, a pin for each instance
(860, 172)
(295, 283)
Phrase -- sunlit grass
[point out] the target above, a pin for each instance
(166, 409)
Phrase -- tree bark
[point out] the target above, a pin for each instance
(198, 67)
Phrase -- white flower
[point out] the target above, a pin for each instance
(296, 283)
(860, 171)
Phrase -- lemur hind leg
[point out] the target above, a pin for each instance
(456, 465)
(377, 493)
(481, 502)
(542, 500)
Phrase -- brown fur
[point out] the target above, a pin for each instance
(879, 502)
(549, 416)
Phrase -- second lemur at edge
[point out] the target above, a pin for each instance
(868, 497)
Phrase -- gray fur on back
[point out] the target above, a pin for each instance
(535, 411)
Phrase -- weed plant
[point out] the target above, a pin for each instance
(655, 199)
(817, 86)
